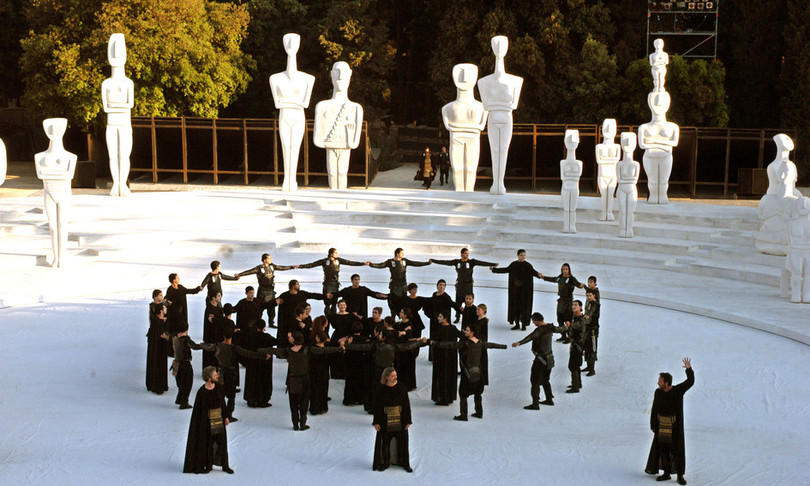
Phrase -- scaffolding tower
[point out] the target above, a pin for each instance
(688, 29)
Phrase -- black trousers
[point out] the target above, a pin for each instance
(540, 377)
(329, 304)
(218, 450)
(184, 379)
(382, 449)
(266, 298)
(444, 174)
(299, 402)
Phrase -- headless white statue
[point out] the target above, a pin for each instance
(118, 98)
(774, 207)
(658, 62)
(55, 167)
(608, 154)
(3, 163)
(500, 93)
(338, 126)
(464, 118)
(628, 171)
(570, 172)
(291, 90)
(658, 138)
(797, 263)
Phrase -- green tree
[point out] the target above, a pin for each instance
(184, 56)
(795, 82)
(593, 92)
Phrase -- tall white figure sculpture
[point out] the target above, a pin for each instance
(797, 262)
(658, 62)
(570, 172)
(3, 163)
(118, 98)
(338, 126)
(658, 138)
(55, 167)
(628, 171)
(464, 118)
(500, 93)
(291, 90)
(608, 154)
(774, 207)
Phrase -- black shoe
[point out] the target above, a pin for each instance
(264, 405)
(272, 326)
(516, 327)
(663, 477)
(227, 469)
(547, 401)
(681, 480)
(407, 469)
(583, 370)
(560, 340)
(458, 318)
(177, 401)
(651, 472)
(206, 470)
(233, 419)
(532, 406)
(295, 426)
(304, 426)
(185, 406)
(478, 415)
(460, 418)
(238, 390)
(523, 327)
(590, 373)
(572, 390)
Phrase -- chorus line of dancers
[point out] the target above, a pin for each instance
(375, 355)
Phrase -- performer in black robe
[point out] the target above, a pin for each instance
(543, 359)
(398, 266)
(177, 303)
(576, 332)
(181, 366)
(266, 276)
(481, 330)
(157, 346)
(319, 376)
(471, 350)
(591, 317)
(356, 297)
(212, 332)
(406, 360)
(440, 303)
(331, 275)
(469, 313)
(521, 290)
(358, 371)
(298, 359)
(445, 363)
(341, 321)
(290, 301)
(565, 294)
(369, 323)
(464, 274)
(214, 279)
(249, 309)
(258, 372)
(415, 304)
(392, 418)
(207, 443)
(666, 421)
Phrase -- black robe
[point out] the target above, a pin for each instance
(445, 366)
(212, 332)
(200, 446)
(392, 412)
(157, 350)
(342, 325)
(357, 299)
(286, 313)
(258, 372)
(214, 282)
(178, 308)
(481, 329)
(521, 290)
(359, 366)
(669, 403)
(471, 367)
(247, 313)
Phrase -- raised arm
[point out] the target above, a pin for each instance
(282, 268)
(481, 263)
(414, 263)
(496, 346)
(250, 271)
(501, 270)
(351, 263)
(316, 263)
(444, 262)
(412, 345)
(379, 265)
(278, 352)
(228, 277)
(250, 354)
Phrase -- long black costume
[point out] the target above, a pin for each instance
(178, 307)
(227, 355)
(576, 333)
(445, 365)
(258, 388)
(248, 312)
(481, 330)
(212, 331)
(331, 276)
(357, 299)
(157, 349)
(543, 360)
(667, 452)
(181, 367)
(286, 312)
(472, 380)
(521, 291)
(384, 355)
(298, 378)
(405, 361)
(214, 282)
(464, 275)
(392, 412)
(319, 380)
(591, 334)
(266, 277)
(397, 286)
(359, 376)
(207, 442)
(342, 325)
(439, 304)
(565, 295)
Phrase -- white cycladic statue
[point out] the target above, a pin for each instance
(291, 90)
(658, 138)
(628, 171)
(570, 172)
(500, 93)
(658, 62)
(3, 163)
(338, 126)
(118, 98)
(797, 263)
(464, 118)
(608, 154)
(774, 207)
(55, 167)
